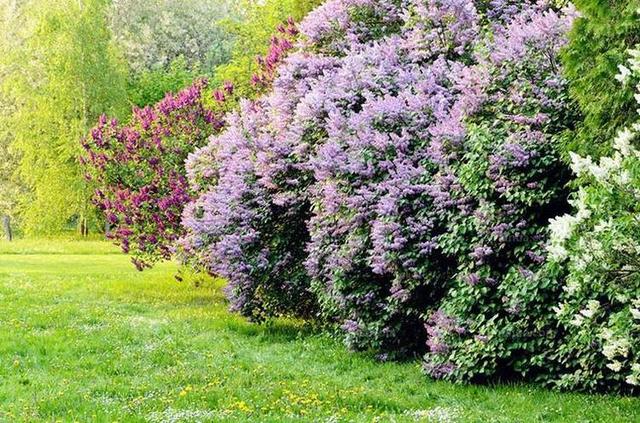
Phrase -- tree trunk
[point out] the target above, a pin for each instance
(82, 227)
(107, 228)
(6, 223)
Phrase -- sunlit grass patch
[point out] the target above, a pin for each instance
(85, 337)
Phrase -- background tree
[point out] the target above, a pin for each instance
(168, 44)
(10, 186)
(61, 78)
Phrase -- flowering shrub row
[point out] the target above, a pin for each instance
(398, 181)
(400, 174)
(138, 168)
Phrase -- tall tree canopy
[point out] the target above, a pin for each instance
(59, 79)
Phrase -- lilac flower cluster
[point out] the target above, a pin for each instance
(403, 160)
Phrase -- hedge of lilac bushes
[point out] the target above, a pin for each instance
(138, 167)
(398, 181)
(402, 181)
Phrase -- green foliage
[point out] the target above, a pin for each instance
(599, 43)
(252, 35)
(150, 86)
(63, 76)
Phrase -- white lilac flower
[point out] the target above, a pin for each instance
(562, 227)
(616, 366)
(557, 252)
(580, 165)
(624, 74)
(635, 313)
(603, 226)
(608, 165)
(572, 286)
(580, 204)
(616, 348)
(577, 320)
(623, 178)
(560, 310)
(592, 308)
(632, 380)
(622, 143)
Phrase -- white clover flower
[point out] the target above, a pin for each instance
(616, 366)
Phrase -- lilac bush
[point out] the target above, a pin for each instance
(138, 168)
(249, 227)
(406, 154)
(512, 180)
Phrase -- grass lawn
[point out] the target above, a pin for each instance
(84, 337)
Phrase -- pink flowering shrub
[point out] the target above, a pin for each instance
(137, 168)
(142, 183)
(405, 162)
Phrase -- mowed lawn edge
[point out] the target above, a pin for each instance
(85, 337)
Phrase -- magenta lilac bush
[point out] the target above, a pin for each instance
(406, 155)
(139, 167)
(138, 170)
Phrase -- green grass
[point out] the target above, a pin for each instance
(84, 337)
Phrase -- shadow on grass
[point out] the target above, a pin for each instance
(275, 331)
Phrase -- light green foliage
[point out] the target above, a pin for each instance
(258, 24)
(598, 44)
(150, 86)
(87, 338)
(10, 186)
(61, 78)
